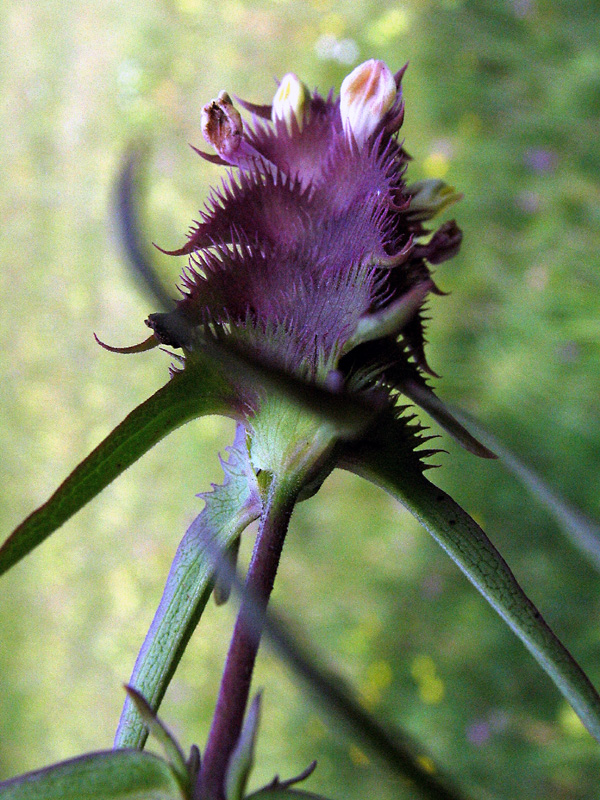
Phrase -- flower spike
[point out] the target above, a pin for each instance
(315, 247)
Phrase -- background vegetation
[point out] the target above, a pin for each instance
(503, 101)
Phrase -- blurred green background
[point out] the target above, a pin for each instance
(503, 102)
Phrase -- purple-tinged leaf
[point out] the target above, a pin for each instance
(390, 320)
(228, 510)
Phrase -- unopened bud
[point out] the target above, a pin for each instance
(367, 94)
(222, 126)
(290, 100)
(430, 197)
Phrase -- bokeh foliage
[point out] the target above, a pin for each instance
(503, 101)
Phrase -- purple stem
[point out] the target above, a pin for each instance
(237, 675)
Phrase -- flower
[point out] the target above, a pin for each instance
(290, 100)
(313, 255)
(366, 96)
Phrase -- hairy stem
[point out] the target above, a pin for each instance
(237, 675)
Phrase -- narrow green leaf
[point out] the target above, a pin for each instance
(228, 510)
(242, 759)
(470, 548)
(189, 394)
(583, 531)
(112, 775)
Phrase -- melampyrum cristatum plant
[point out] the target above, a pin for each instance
(302, 318)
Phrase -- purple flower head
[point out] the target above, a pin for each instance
(311, 251)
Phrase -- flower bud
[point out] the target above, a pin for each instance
(429, 198)
(222, 126)
(290, 100)
(367, 94)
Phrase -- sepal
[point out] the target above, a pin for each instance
(420, 394)
(390, 320)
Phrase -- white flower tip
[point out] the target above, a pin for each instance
(290, 100)
(366, 95)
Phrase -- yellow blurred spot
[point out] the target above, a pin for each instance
(371, 625)
(570, 722)
(430, 687)
(369, 696)
(333, 24)
(378, 678)
(432, 691)
(380, 673)
(388, 26)
(356, 641)
(436, 165)
(358, 757)
(427, 764)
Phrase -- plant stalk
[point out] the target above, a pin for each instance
(239, 665)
